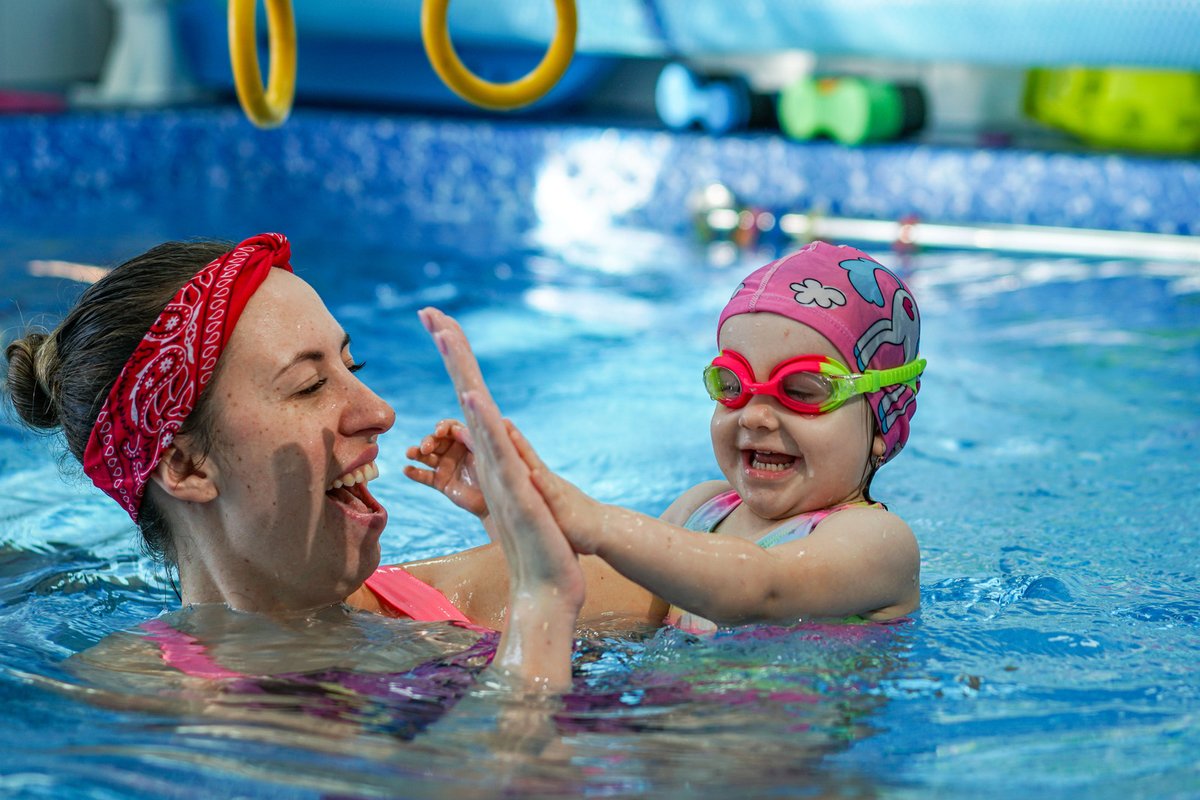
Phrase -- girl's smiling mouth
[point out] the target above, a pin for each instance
(767, 464)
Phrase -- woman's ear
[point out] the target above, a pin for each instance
(181, 475)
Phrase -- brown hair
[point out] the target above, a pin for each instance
(60, 380)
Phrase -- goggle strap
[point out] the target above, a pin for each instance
(874, 380)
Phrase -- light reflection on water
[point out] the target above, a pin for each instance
(1046, 480)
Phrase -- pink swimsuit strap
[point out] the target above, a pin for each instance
(185, 653)
(399, 591)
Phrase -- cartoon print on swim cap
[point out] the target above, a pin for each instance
(893, 405)
(811, 292)
(903, 328)
(861, 272)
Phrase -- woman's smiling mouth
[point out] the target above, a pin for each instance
(350, 493)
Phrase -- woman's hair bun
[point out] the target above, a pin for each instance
(32, 368)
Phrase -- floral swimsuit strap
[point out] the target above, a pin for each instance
(713, 512)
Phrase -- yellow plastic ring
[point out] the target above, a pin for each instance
(499, 96)
(267, 110)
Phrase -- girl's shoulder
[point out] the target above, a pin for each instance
(869, 523)
(678, 512)
(875, 514)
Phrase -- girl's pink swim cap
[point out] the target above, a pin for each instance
(855, 302)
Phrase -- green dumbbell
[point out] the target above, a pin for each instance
(850, 110)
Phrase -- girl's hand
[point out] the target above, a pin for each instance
(451, 463)
(582, 518)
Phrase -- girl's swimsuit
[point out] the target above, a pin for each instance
(712, 513)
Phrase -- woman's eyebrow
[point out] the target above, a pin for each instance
(312, 355)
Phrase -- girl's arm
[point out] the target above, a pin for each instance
(476, 582)
(861, 561)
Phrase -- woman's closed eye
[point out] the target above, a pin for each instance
(312, 388)
(316, 385)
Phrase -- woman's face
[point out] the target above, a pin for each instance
(291, 419)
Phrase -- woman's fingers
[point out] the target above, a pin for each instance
(456, 351)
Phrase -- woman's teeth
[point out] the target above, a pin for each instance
(367, 472)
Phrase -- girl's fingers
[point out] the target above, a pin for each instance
(428, 459)
(524, 448)
(422, 476)
(447, 427)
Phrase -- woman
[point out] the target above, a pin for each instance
(209, 392)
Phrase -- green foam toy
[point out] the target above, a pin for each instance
(850, 110)
(1149, 110)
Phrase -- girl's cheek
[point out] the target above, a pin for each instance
(721, 418)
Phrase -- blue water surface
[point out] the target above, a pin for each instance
(1050, 480)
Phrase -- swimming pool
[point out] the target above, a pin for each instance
(1050, 480)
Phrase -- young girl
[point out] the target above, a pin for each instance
(815, 386)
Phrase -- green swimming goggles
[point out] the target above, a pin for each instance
(808, 384)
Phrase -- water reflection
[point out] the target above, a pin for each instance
(346, 703)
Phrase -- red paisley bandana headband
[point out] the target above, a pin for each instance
(161, 381)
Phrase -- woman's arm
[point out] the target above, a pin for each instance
(546, 585)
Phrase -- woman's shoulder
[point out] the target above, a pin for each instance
(678, 512)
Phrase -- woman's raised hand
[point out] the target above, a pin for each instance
(546, 582)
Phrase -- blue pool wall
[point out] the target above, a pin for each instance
(474, 182)
(371, 51)
(1160, 34)
(388, 161)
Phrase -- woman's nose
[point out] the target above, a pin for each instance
(368, 412)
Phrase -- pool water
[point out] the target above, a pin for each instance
(1050, 479)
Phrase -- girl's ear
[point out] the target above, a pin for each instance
(878, 447)
(183, 476)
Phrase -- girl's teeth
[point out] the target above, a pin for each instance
(774, 462)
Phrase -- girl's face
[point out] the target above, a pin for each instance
(780, 462)
(291, 418)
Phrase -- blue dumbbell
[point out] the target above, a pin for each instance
(717, 105)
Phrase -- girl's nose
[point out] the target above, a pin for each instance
(759, 414)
